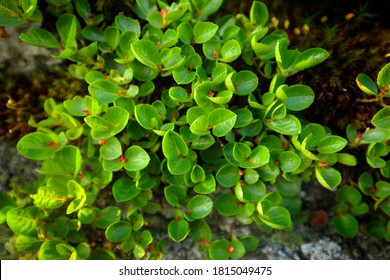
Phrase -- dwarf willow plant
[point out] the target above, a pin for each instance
(374, 144)
(182, 114)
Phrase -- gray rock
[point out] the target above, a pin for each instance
(14, 168)
(323, 249)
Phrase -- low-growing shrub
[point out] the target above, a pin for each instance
(186, 116)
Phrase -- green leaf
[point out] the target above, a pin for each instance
(67, 27)
(185, 32)
(287, 188)
(178, 228)
(206, 186)
(276, 217)
(111, 149)
(136, 158)
(347, 159)
(104, 91)
(250, 243)
(107, 216)
(197, 174)
(204, 31)
(244, 117)
(366, 84)
(331, 144)
(50, 197)
(112, 36)
(179, 94)
(113, 122)
(174, 195)
(250, 192)
(125, 23)
(83, 9)
(222, 121)
(297, 97)
(346, 225)
(310, 58)
(93, 33)
(86, 216)
(48, 250)
(328, 177)
(199, 207)
(349, 195)
(375, 135)
(219, 250)
(289, 161)
(173, 145)
(118, 231)
(382, 119)
(25, 221)
(124, 190)
(178, 165)
(200, 231)
(230, 51)
(242, 83)
(147, 116)
(227, 204)
(290, 125)
(258, 13)
(383, 79)
(241, 151)
(206, 8)
(37, 146)
(40, 38)
(147, 53)
(258, 157)
(228, 176)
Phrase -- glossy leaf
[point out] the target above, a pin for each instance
(366, 84)
(228, 176)
(146, 52)
(178, 228)
(124, 190)
(382, 119)
(107, 216)
(40, 38)
(104, 91)
(297, 97)
(111, 149)
(118, 231)
(331, 144)
(383, 78)
(230, 51)
(310, 58)
(67, 27)
(173, 145)
(276, 217)
(258, 13)
(147, 116)
(290, 125)
(227, 204)
(136, 158)
(243, 82)
(222, 121)
(328, 177)
(50, 197)
(37, 145)
(199, 207)
(25, 221)
(289, 161)
(346, 225)
(204, 31)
